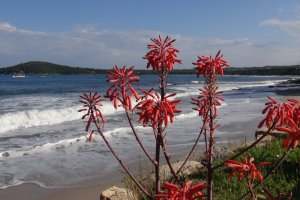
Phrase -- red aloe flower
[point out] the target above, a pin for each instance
(90, 102)
(294, 135)
(247, 169)
(162, 54)
(292, 125)
(206, 65)
(121, 89)
(276, 113)
(156, 111)
(187, 192)
(203, 101)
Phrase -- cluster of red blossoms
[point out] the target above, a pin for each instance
(246, 169)
(284, 117)
(121, 88)
(203, 101)
(207, 65)
(90, 102)
(174, 192)
(162, 54)
(154, 110)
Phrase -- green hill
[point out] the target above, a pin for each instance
(264, 71)
(267, 70)
(38, 67)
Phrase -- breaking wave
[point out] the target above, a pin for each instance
(35, 117)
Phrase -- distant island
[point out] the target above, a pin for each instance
(39, 67)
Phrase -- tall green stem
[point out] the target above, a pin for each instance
(211, 84)
(162, 86)
(210, 158)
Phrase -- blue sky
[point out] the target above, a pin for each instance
(104, 33)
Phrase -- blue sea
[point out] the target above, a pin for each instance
(42, 137)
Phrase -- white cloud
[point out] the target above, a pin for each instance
(294, 9)
(86, 46)
(7, 27)
(230, 42)
(4, 26)
(291, 27)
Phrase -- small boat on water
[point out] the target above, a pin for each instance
(19, 75)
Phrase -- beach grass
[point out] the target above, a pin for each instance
(285, 180)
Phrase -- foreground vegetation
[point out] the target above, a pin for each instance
(285, 180)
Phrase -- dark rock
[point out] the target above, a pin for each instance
(5, 154)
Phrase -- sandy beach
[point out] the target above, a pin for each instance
(92, 191)
(31, 191)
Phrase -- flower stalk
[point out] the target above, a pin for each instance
(95, 116)
(119, 160)
(161, 58)
(207, 103)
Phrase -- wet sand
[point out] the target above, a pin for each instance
(32, 191)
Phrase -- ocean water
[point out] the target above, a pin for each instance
(42, 137)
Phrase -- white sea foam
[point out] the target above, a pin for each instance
(193, 90)
(185, 94)
(80, 140)
(52, 146)
(186, 115)
(242, 85)
(42, 148)
(14, 182)
(193, 113)
(35, 117)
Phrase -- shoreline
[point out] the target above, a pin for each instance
(33, 191)
(92, 189)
